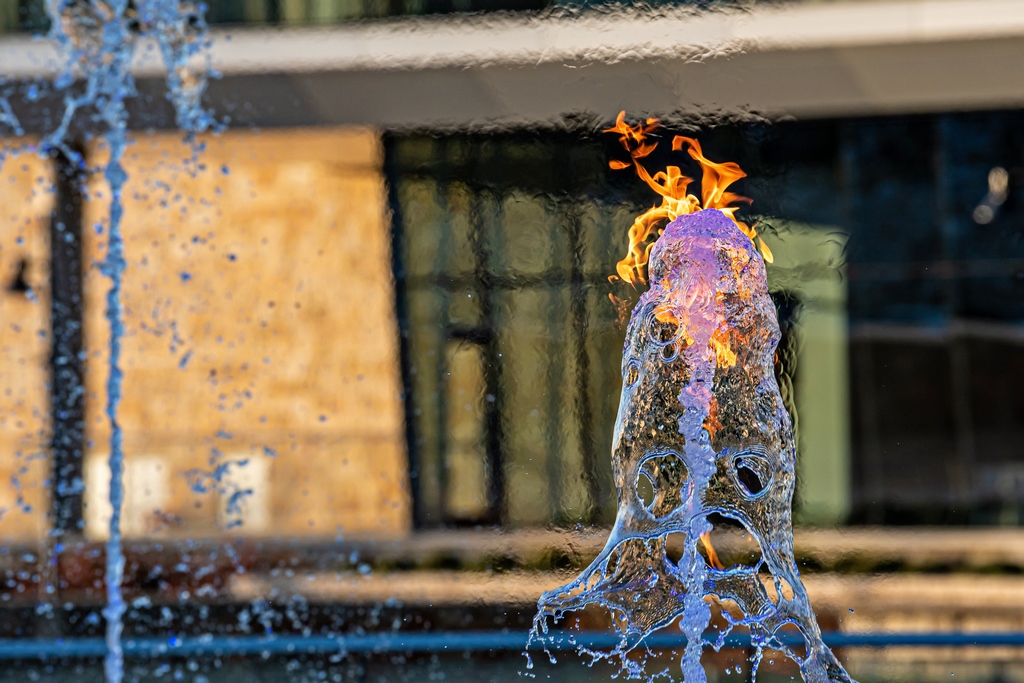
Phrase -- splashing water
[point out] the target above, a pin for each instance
(701, 419)
(702, 423)
(98, 40)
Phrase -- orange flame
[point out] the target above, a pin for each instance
(712, 423)
(712, 555)
(671, 184)
(725, 357)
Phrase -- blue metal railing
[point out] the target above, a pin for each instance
(446, 641)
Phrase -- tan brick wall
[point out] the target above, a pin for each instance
(268, 269)
(26, 200)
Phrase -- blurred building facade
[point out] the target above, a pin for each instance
(255, 391)
(394, 268)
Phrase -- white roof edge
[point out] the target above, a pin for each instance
(518, 39)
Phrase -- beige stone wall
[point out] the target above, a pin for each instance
(260, 352)
(26, 200)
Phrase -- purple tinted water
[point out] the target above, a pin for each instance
(702, 419)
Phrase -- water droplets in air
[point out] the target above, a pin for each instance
(99, 42)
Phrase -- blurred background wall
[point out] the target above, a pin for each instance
(399, 275)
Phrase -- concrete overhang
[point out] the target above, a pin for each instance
(805, 60)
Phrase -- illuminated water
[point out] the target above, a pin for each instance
(701, 419)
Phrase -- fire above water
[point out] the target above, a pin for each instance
(702, 420)
(672, 185)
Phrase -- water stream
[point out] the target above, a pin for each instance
(98, 43)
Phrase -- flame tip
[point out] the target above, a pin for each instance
(672, 185)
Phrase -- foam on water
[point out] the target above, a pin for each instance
(703, 427)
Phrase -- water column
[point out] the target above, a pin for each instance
(701, 419)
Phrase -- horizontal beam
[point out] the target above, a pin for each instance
(801, 59)
(528, 38)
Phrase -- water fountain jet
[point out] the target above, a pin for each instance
(702, 419)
